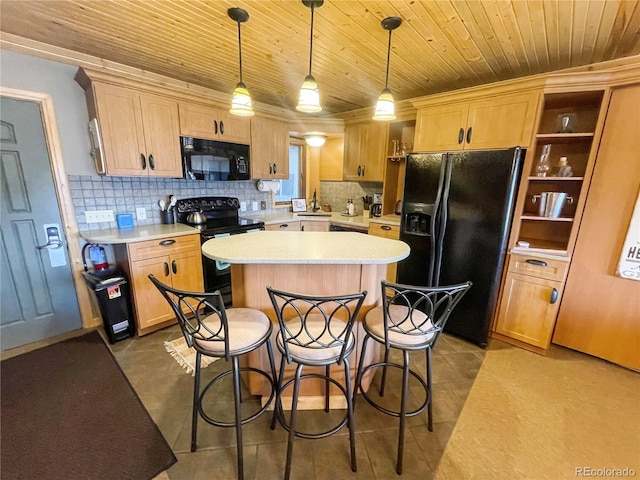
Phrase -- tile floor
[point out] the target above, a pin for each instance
(166, 391)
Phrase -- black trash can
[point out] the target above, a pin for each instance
(112, 292)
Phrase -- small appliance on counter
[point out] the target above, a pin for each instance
(375, 210)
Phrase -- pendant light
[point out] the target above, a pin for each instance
(241, 100)
(309, 100)
(385, 109)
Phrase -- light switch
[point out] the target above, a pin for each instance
(243, 206)
(254, 206)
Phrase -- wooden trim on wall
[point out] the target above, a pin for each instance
(63, 194)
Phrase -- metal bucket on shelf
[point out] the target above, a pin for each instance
(550, 204)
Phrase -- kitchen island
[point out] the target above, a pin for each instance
(315, 263)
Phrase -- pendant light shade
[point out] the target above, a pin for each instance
(385, 108)
(309, 100)
(241, 100)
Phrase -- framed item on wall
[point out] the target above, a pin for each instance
(299, 204)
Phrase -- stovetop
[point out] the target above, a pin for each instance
(221, 213)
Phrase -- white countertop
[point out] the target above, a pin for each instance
(305, 248)
(359, 221)
(137, 234)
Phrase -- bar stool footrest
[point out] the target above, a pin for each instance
(394, 413)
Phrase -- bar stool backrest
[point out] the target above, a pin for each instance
(192, 309)
(315, 322)
(419, 311)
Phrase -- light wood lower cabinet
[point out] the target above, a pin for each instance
(175, 261)
(314, 226)
(284, 226)
(387, 231)
(530, 300)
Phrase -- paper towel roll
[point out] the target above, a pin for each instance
(268, 185)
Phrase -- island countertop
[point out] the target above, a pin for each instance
(305, 248)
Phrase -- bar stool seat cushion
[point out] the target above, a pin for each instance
(316, 333)
(247, 326)
(374, 323)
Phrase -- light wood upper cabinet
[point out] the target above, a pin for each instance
(365, 151)
(269, 149)
(140, 131)
(201, 121)
(486, 123)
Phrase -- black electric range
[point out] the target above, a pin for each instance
(222, 220)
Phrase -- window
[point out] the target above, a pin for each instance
(293, 187)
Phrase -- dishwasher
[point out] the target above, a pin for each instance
(342, 228)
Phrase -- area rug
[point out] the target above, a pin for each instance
(69, 412)
(563, 416)
(186, 356)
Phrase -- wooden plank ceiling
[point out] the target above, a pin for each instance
(441, 45)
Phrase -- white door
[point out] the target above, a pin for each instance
(38, 299)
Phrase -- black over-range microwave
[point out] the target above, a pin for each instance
(215, 161)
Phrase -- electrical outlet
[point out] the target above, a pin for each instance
(254, 205)
(99, 216)
(243, 206)
(141, 213)
(263, 205)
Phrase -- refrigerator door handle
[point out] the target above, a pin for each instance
(439, 221)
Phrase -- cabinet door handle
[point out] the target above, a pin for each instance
(554, 296)
(165, 243)
(363, 170)
(461, 135)
(302, 228)
(174, 267)
(221, 127)
(270, 169)
(540, 263)
(275, 168)
(152, 164)
(469, 134)
(284, 225)
(385, 227)
(143, 160)
(359, 170)
(166, 269)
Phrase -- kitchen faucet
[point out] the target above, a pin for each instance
(314, 202)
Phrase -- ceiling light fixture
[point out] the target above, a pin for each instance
(315, 139)
(241, 100)
(385, 109)
(309, 100)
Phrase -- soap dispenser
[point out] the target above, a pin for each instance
(350, 207)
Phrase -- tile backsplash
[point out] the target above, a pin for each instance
(125, 194)
(336, 194)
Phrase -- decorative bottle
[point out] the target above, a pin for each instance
(544, 165)
(350, 207)
(563, 169)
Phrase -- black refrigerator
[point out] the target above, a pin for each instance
(456, 217)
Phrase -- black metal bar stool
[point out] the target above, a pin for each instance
(214, 331)
(315, 331)
(410, 319)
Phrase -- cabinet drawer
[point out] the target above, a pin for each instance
(283, 226)
(386, 231)
(539, 267)
(163, 246)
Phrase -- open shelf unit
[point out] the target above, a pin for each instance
(394, 169)
(548, 234)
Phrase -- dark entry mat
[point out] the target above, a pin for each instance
(69, 412)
